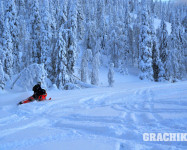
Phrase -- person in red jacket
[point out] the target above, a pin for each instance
(39, 94)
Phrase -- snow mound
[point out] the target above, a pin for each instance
(27, 78)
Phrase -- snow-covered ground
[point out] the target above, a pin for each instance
(100, 118)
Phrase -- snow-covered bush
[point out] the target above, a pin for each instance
(71, 86)
(84, 85)
(111, 75)
(29, 76)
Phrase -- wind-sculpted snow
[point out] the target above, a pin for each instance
(98, 118)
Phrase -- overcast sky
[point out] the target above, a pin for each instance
(184, 1)
(165, 0)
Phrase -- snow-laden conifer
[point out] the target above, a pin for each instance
(158, 67)
(96, 64)
(84, 64)
(8, 48)
(80, 20)
(146, 70)
(2, 52)
(62, 76)
(35, 22)
(12, 19)
(2, 77)
(46, 34)
(163, 40)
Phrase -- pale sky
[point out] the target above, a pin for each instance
(165, 0)
(177, 0)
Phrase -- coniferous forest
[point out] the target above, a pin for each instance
(61, 42)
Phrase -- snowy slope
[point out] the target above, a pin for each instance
(100, 118)
(157, 22)
(157, 25)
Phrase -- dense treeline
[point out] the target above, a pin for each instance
(62, 34)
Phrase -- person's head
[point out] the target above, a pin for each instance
(39, 83)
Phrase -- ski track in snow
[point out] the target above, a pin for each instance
(115, 115)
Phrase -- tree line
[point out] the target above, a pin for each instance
(87, 34)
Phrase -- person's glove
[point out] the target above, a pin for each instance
(20, 103)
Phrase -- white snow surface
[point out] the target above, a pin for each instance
(103, 118)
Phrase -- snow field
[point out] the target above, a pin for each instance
(97, 118)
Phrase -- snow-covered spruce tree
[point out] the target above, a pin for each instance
(163, 39)
(131, 52)
(136, 32)
(72, 16)
(146, 70)
(35, 22)
(71, 52)
(185, 49)
(80, 20)
(180, 45)
(86, 6)
(62, 76)
(63, 14)
(7, 48)
(60, 36)
(158, 67)
(2, 77)
(59, 75)
(171, 65)
(123, 47)
(100, 22)
(21, 8)
(114, 34)
(25, 45)
(174, 55)
(2, 52)
(1, 23)
(54, 10)
(11, 16)
(96, 64)
(71, 40)
(158, 8)
(125, 40)
(90, 35)
(46, 36)
(111, 75)
(52, 7)
(84, 64)
(89, 42)
(90, 28)
(112, 47)
(24, 35)
(66, 46)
